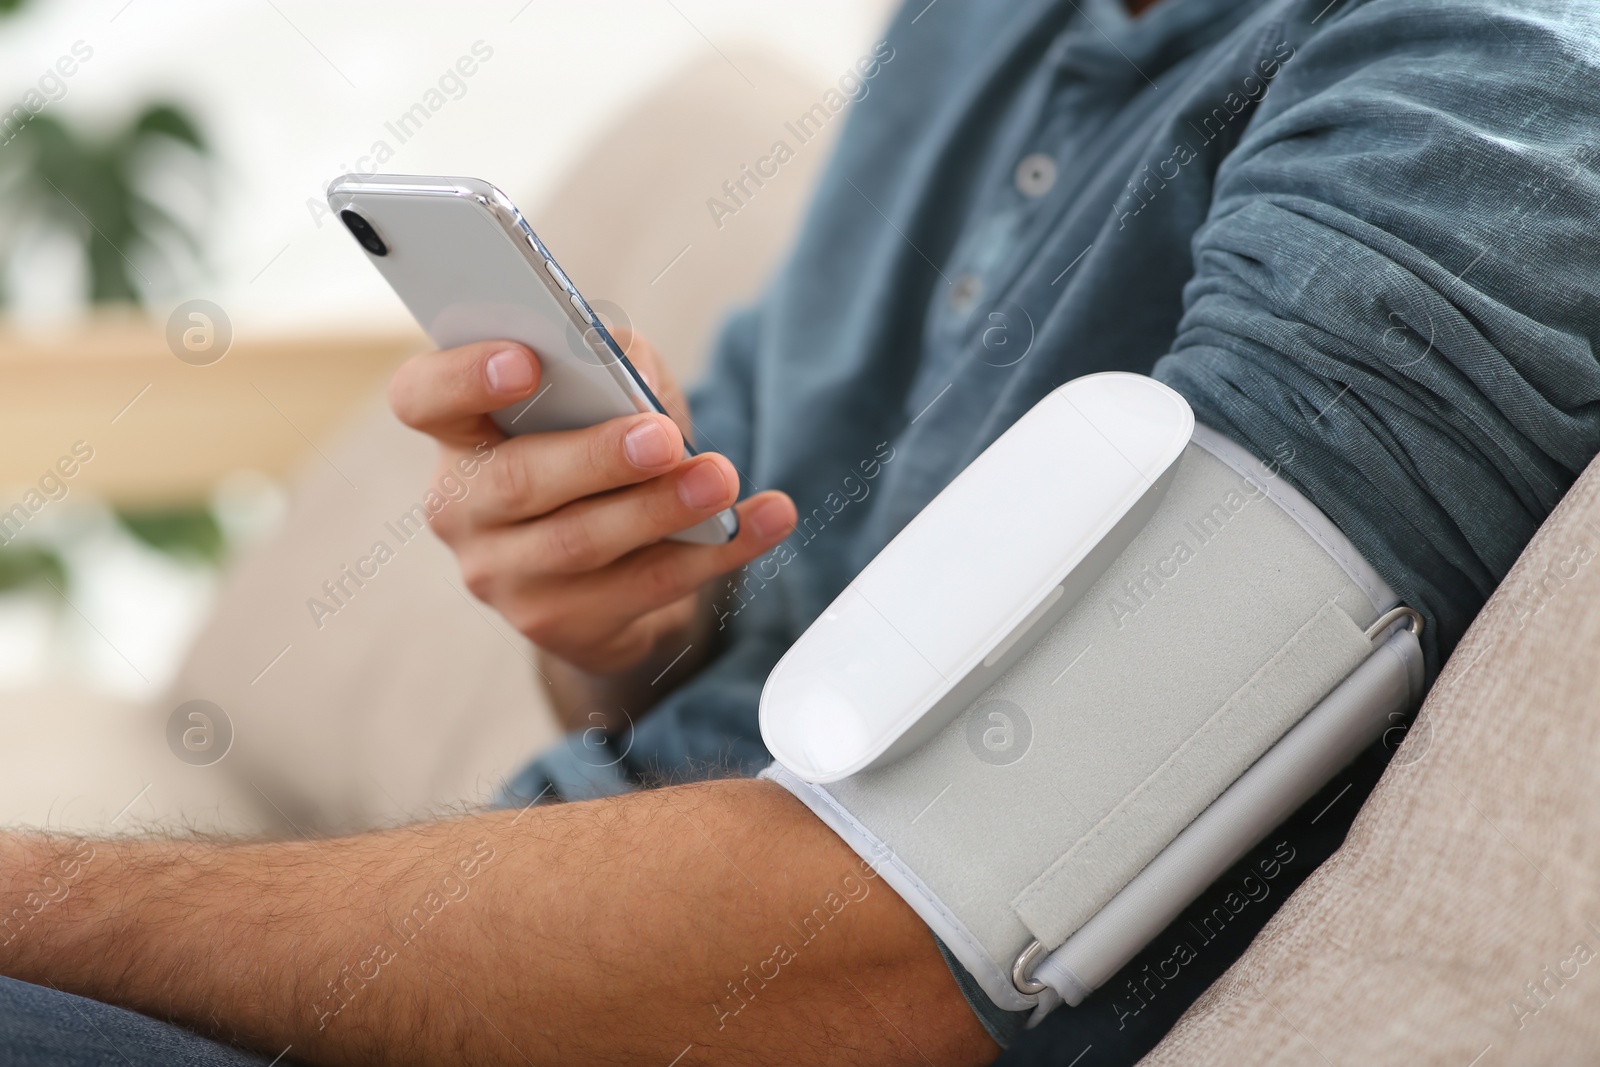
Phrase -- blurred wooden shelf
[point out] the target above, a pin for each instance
(260, 406)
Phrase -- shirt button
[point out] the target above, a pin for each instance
(1036, 174)
(965, 292)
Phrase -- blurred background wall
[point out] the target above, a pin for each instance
(183, 493)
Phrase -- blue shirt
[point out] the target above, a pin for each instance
(1359, 237)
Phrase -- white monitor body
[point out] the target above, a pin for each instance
(976, 577)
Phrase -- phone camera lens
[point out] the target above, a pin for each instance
(364, 233)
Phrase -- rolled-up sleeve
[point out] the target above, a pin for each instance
(1397, 290)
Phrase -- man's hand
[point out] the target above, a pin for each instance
(566, 538)
(713, 923)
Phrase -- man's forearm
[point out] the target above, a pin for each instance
(719, 919)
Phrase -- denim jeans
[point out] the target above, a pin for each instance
(42, 1027)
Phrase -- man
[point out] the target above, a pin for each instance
(1356, 237)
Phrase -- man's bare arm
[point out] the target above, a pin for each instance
(720, 921)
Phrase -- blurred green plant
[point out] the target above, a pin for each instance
(185, 532)
(96, 189)
(25, 566)
(178, 531)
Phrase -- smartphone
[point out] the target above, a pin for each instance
(469, 268)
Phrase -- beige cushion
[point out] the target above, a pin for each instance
(1461, 919)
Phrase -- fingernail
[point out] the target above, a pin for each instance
(769, 519)
(509, 372)
(648, 446)
(703, 486)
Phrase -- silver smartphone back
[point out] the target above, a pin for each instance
(469, 268)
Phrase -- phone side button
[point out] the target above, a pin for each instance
(583, 312)
(555, 272)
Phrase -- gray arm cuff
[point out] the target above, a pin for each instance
(1211, 680)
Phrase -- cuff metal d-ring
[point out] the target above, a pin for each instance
(1022, 970)
(1392, 616)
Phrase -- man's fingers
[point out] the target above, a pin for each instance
(659, 574)
(595, 531)
(648, 362)
(449, 394)
(537, 473)
(590, 609)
